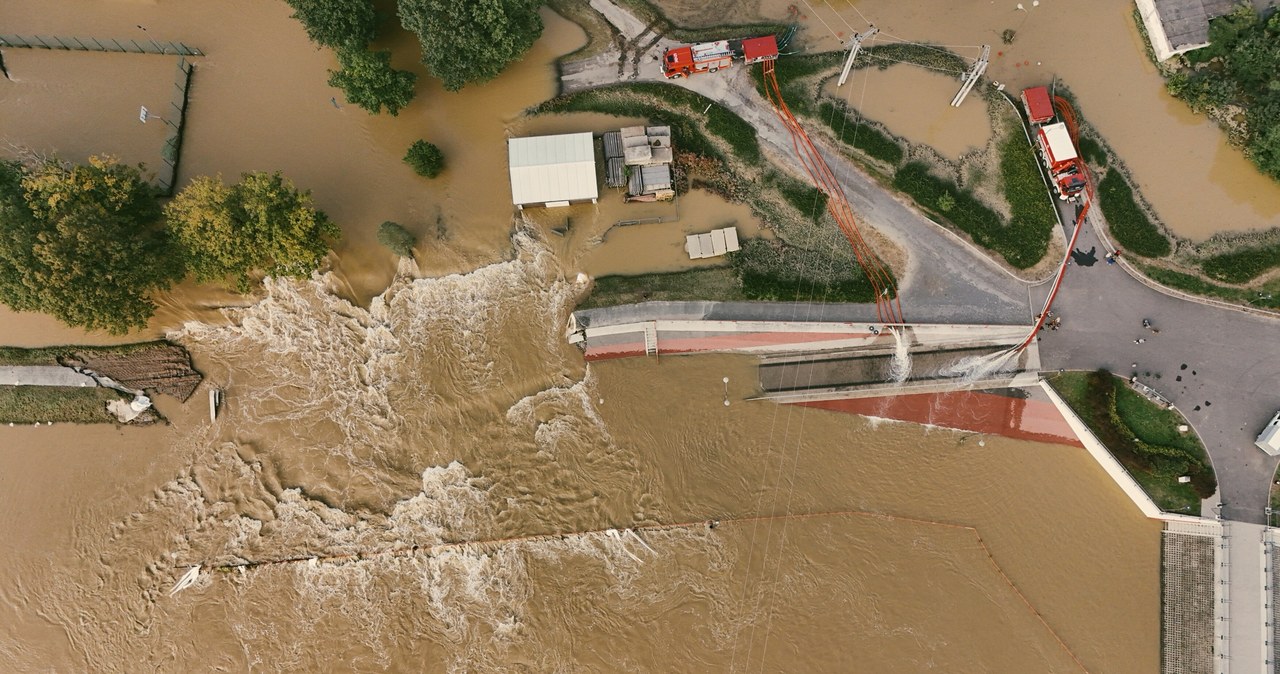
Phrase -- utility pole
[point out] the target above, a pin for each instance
(971, 77)
(853, 53)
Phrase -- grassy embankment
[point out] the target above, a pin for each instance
(1143, 436)
(1229, 81)
(65, 404)
(660, 24)
(720, 152)
(1021, 240)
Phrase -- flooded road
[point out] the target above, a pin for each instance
(1198, 184)
(450, 409)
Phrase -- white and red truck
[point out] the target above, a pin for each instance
(1054, 145)
(710, 57)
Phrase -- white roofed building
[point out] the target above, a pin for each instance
(552, 170)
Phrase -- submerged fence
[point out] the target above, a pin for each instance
(95, 44)
(175, 116)
(168, 170)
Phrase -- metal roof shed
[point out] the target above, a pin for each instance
(552, 170)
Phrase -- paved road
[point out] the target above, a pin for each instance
(1231, 382)
(43, 375)
(928, 284)
(1228, 390)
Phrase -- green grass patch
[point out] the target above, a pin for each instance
(1032, 217)
(792, 73)
(729, 127)
(948, 202)
(760, 271)
(1143, 436)
(807, 199)
(1244, 265)
(1092, 152)
(627, 100)
(63, 404)
(1268, 297)
(651, 14)
(719, 284)
(1130, 226)
(853, 131)
(776, 272)
(686, 135)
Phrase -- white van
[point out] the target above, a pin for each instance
(1269, 440)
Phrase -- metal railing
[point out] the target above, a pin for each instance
(96, 44)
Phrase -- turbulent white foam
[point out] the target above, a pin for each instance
(422, 351)
(978, 367)
(900, 366)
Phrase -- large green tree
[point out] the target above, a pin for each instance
(261, 225)
(367, 79)
(82, 243)
(472, 41)
(337, 23)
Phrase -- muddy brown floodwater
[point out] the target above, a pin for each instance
(1197, 183)
(450, 408)
(902, 98)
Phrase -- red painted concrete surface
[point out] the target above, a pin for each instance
(975, 411)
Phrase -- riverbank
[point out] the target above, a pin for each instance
(1143, 436)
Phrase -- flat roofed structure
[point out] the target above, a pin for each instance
(1039, 107)
(1058, 140)
(756, 49)
(715, 243)
(1269, 439)
(552, 170)
(1178, 26)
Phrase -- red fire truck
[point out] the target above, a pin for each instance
(1053, 141)
(710, 57)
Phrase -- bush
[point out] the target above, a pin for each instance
(367, 79)
(1092, 151)
(337, 23)
(1242, 266)
(1020, 246)
(1130, 226)
(474, 41)
(1032, 217)
(855, 132)
(397, 238)
(426, 159)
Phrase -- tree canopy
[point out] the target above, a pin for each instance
(397, 238)
(82, 243)
(426, 159)
(337, 23)
(473, 41)
(1240, 69)
(260, 225)
(367, 79)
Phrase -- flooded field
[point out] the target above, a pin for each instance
(906, 100)
(1198, 185)
(450, 409)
